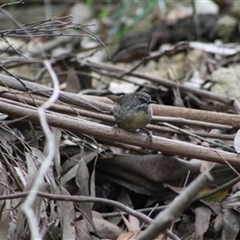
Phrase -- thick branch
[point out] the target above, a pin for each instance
(100, 131)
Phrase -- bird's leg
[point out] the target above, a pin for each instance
(149, 134)
(116, 128)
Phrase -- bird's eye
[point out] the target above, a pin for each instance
(142, 100)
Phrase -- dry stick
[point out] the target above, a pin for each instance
(111, 119)
(142, 210)
(218, 136)
(183, 121)
(206, 116)
(163, 82)
(70, 110)
(219, 118)
(176, 207)
(60, 108)
(159, 110)
(81, 126)
(216, 144)
(69, 198)
(73, 111)
(157, 55)
(46, 91)
(188, 113)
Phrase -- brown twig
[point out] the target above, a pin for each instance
(44, 91)
(99, 131)
(157, 55)
(164, 82)
(69, 198)
(66, 109)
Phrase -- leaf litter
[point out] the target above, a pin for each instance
(194, 84)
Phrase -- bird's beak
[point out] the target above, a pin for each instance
(152, 101)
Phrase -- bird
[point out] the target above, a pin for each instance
(132, 111)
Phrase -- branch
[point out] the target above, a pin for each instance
(100, 131)
(176, 208)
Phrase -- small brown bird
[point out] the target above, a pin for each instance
(132, 111)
